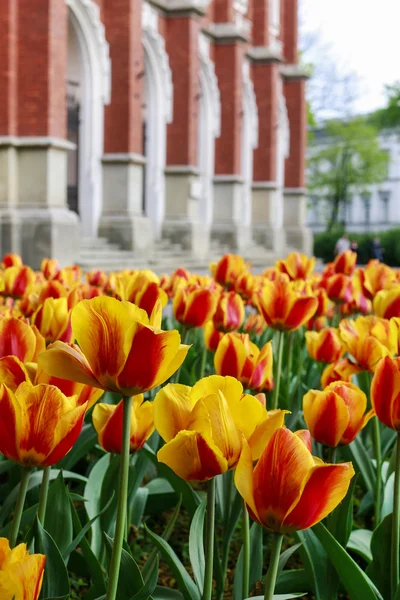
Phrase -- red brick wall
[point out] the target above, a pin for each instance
(42, 59)
(260, 23)
(8, 67)
(296, 106)
(228, 67)
(123, 117)
(184, 62)
(290, 31)
(265, 79)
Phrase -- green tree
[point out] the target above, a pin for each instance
(348, 157)
(390, 115)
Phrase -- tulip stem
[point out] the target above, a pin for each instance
(19, 507)
(122, 501)
(396, 522)
(184, 337)
(275, 397)
(246, 551)
(289, 365)
(203, 362)
(376, 439)
(210, 520)
(270, 578)
(44, 489)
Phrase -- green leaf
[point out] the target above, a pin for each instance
(93, 497)
(161, 495)
(85, 442)
(130, 579)
(84, 530)
(354, 580)
(55, 580)
(314, 559)
(35, 480)
(162, 593)
(360, 543)
(381, 545)
(280, 596)
(360, 457)
(137, 508)
(58, 520)
(190, 497)
(341, 520)
(284, 557)
(291, 581)
(196, 544)
(388, 492)
(185, 583)
(149, 585)
(256, 562)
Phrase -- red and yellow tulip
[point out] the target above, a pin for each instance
(204, 426)
(141, 288)
(342, 370)
(387, 303)
(238, 357)
(289, 489)
(53, 320)
(11, 260)
(336, 415)
(50, 267)
(283, 307)
(212, 336)
(19, 339)
(120, 348)
(39, 425)
(296, 265)
(368, 339)
(229, 314)
(345, 263)
(21, 573)
(107, 421)
(325, 345)
(194, 306)
(97, 278)
(339, 288)
(385, 392)
(17, 281)
(228, 269)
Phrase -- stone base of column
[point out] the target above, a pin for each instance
(37, 233)
(266, 210)
(298, 236)
(193, 236)
(122, 221)
(228, 227)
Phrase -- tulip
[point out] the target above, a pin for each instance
(50, 267)
(11, 260)
(238, 357)
(345, 263)
(289, 489)
(376, 277)
(282, 307)
(53, 320)
(228, 269)
(323, 302)
(305, 437)
(336, 415)
(230, 312)
(342, 370)
(21, 573)
(194, 306)
(97, 278)
(339, 288)
(368, 339)
(141, 288)
(255, 324)
(325, 346)
(107, 421)
(317, 323)
(19, 339)
(385, 399)
(296, 265)
(244, 285)
(120, 348)
(17, 281)
(85, 394)
(387, 303)
(212, 336)
(204, 426)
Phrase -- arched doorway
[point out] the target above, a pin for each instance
(157, 113)
(209, 128)
(88, 89)
(249, 143)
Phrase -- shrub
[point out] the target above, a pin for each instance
(324, 245)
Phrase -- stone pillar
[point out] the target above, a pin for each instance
(295, 193)
(228, 225)
(34, 219)
(123, 221)
(183, 190)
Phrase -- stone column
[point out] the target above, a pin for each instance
(123, 221)
(230, 34)
(295, 193)
(183, 190)
(35, 220)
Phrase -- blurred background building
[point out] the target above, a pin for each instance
(134, 130)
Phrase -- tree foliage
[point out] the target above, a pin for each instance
(390, 115)
(348, 157)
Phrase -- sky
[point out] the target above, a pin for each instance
(363, 36)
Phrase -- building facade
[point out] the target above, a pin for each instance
(374, 208)
(139, 120)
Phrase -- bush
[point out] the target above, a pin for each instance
(324, 245)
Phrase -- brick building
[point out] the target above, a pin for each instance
(137, 120)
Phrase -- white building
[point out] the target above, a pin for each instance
(372, 209)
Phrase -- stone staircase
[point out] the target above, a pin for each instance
(99, 253)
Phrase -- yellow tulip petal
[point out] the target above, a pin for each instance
(264, 431)
(229, 386)
(244, 479)
(247, 412)
(172, 408)
(224, 432)
(67, 362)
